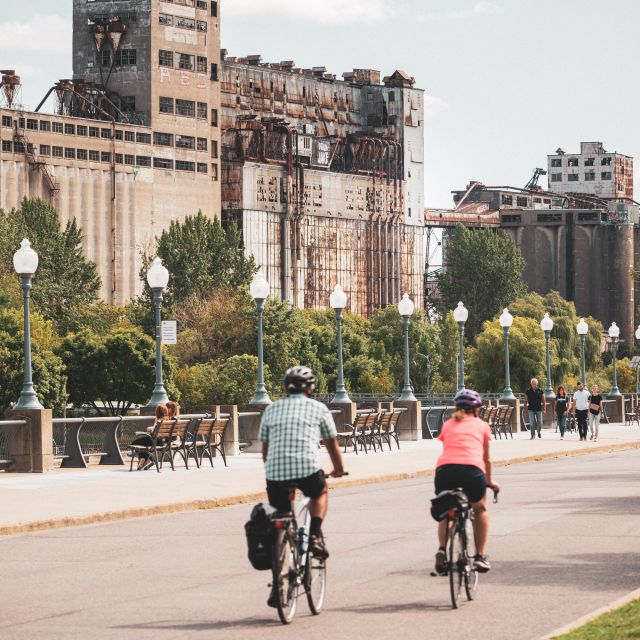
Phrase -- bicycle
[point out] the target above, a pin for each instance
(460, 537)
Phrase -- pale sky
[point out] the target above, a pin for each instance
(507, 81)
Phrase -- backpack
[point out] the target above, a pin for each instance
(447, 501)
(259, 531)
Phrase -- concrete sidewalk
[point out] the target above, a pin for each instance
(63, 498)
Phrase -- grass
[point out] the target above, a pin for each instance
(620, 624)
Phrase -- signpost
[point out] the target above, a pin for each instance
(169, 332)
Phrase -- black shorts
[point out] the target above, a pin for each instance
(279, 491)
(465, 476)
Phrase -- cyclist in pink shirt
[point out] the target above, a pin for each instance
(465, 463)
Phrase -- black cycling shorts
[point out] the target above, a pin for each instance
(279, 491)
(464, 476)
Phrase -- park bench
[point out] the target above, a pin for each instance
(208, 439)
(358, 432)
(388, 427)
(168, 439)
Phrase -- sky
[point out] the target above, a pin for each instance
(507, 81)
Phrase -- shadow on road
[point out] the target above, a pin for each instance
(166, 625)
(609, 506)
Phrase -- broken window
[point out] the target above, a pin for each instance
(166, 104)
(166, 58)
(103, 58)
(186, 108)
(556, 162)
(506, 200)
(203, 107)
(201, 64)
(144, 138)
(163, 139)
(201, 4)
(185, 142)
(186, 61)
(521, 201)
(606, 162)
(620, 186)
(589, 162)
(183, 165)
(572, 162)
(202, 167)
(166, 19)
(590, 176)
(556, 177)
(185, 23)
(202, 25)
(573, 177)
(202, 144)
(214, 171)
(143, 161)
(605, 175)
(214, 117)
(94, 156)
(163, 163)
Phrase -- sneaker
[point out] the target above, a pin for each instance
(272, 601)
(591, 437)
(539, 435)
(561, 437)
(318, 548)
(441, 562)
(481, 563)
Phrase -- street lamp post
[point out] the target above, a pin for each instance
(260, 292)
(506, 320)
(614, 334)
(338, 301)
(406, 309)
(158, 278)
(460, 315)
(25, 262)
(546, 324)
(637, 368)
(582, 328)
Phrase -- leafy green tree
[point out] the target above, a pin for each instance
(65, 279)
(449, 346)
(197, 385)
(236, 380)
(483, 269)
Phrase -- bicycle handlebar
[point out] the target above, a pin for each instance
(495, 496)
(330, 475)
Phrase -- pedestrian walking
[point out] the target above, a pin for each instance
(561, 409)
(581, 409)
(535, 407)
(595, 411)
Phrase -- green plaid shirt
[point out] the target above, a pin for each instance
(293, 427)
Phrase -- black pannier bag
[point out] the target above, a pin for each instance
(259, 532)
(445, 501)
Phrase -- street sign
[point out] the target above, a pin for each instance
(635, 362)
(169, 332)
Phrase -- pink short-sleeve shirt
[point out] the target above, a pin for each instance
(463, 442)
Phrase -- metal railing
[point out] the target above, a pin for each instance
(8, 428)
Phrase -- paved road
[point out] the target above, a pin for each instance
(566, 540)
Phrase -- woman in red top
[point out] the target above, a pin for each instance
(465, 463)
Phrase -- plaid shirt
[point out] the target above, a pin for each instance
(293, 427)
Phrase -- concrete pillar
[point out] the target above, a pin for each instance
(515, 416)
(347, 416)
(251, 427)
(31, 447)
(615, 410)
(410, 422)
(232, 434)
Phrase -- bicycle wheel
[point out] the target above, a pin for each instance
(285, 576)
(315, 583)
(456, 562)
(470, 574)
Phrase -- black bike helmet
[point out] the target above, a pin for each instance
(467, 399)
(298, 379)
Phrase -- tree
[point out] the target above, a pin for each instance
(197, 385)
(483, 269)
(65, 279)
(236, 380)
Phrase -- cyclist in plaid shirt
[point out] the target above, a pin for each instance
(290, 431)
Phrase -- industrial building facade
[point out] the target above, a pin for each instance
(324, 177)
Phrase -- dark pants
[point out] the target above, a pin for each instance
(581, 416)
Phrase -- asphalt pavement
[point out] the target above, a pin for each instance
(564, 541)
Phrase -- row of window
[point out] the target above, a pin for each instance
(199, 4)
(589, 176)
(184, 142)
(122, 57)
(575, 162)
(125, 16)
(183, 23)
(188, 109)
(186, 62)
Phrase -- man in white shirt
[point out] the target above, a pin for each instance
(581, 409)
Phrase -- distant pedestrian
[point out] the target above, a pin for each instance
(561, 410)
(581, 409)
(595, 411)
(535, 407)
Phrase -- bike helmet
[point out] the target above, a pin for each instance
(298, 379)
(467, 399)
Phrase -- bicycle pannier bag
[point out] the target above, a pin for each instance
(259, 532)
(445, 501)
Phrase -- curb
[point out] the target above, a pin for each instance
(217, 503)
(572, 626)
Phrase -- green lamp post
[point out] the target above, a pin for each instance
(546, 324)
(259, 290)
(506, 320)
(582, 328)
(158, 278)
(406, 309)
(614, 334)
(460, 315)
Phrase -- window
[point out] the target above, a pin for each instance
(143, 161)
(605, 175)
(118, 135)
(573, 177)
(126, 57)
(214, 117)
(214, 71)
(185, 61)
(69, 153)
(45, 125)
(166, 19)
(7, 121)
(556, 177)
(166, 104)
(81, 130)
(214, 148)
(129, 136)
(606, 162)
(57, 152)
(506, 200)
(186, 108)
(214, 171)
(18, 147)
(185, 142)
(162, 163)
(521, 201)
(182, 165)
(201, 4)
(33, 124)
(7, 146)
(45, 150)
(81, 154)
(620, 186)
(589, 162)
(128, 103)
(202, 144)
(94, 132)
(94, 156)
(143, 138)
(166, 58)
(185, 23)
(202, 110)
(21, 123)
(556, 162)
(119, 158)
(202, 167)
(70, 129)
(129, 159)
(103, 58)
(56, 127)
(214, 8)
(164, 139)
(106, 134)
(202, 25)
(105, 156)
(590, 176)
(572, 162)
(201, 64)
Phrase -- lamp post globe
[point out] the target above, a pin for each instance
(260, 290)
(338, 301)
(582, 328)
(614, 334)
(158, 279)
(25, 262)
(546, 324)
(406, 307)
(506, 320)
(461, 315)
